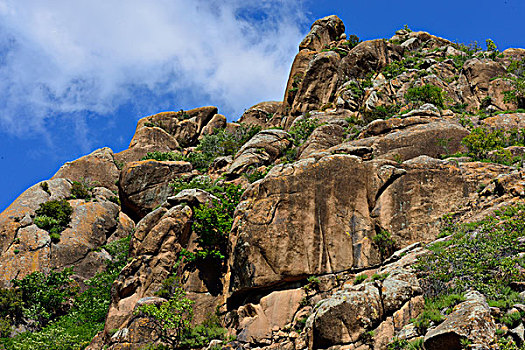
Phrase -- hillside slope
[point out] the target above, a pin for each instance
(378, 206)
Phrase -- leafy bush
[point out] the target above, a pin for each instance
(481, 255)
(517, 77)
(481, 141)
(428, 93)
(380, 112)
(81, 189)
(163, 156)
(220, 143)
(360, 279)
(212, 224)
(46, 296)
(384, 243)
(172, 319)
(253, 174)
(74, 318)
(54, 216)
(302, 129)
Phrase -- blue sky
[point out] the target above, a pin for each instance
(77, 75)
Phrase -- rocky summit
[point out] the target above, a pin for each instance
(379, 205)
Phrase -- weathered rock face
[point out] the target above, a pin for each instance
(166, 132)
(470, 320)
(403, 139)
(297, 222)
(318, 84)
(322, 138)
(370, 56)
(145, 184)
(346, 315)
(98, 168)
(262, 149)
(262, 114)
(25, 248)
(156, 243)
(322, 32)
(300, 221)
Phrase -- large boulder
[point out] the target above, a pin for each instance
(25, 248)
(470, 320)
(319, 83)
(309, 217)
(156, 243)
(98, 168)
(370, 56)
(262, 114)
(383, 307)
(402, 139)
(262, 149)
(167, 131)
(144, 185)
(319, 216)
(322, 32)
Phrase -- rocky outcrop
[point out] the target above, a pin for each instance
(167, 131)
(263, 114)
(262, 149)
(144, 185)
(322, 32)
(26, 248)
(310, 261)
(470, 320)
(345, 317)
(155, 246)
(97, 168)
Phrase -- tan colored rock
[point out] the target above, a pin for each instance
(370, 56)
(319, 83)
(274, 311)
(433, 138)
(344, 317)
(145, 184)
(27, 248)
(297, 72)
(322, 32)
(155, 252)
(98, 168)
(309, 217)
(506, 122)
(261, 114)
(470, 319)
(322, 138)
(216, 123)
(262, 149)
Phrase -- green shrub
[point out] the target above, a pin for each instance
(220, 143)
(428, 93)
(481, 141)
(481, 255)
(163, 156)
(54, 216)
(46, 296)
(302, 129)
(517, 78)
(81, 190)
(360, 279)
(379, 276)
(56, 294)
(380, 112)
(384, 243)
(45, 187)
(212, 224)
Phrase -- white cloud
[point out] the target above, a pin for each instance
(72, 57)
